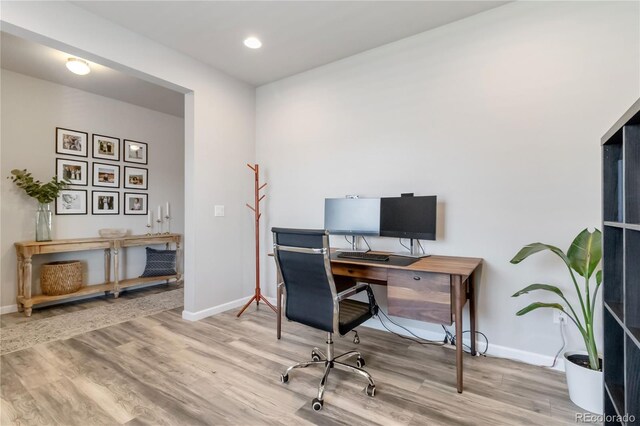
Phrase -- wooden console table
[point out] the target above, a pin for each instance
(26, 249)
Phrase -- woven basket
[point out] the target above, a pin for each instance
(62, 277)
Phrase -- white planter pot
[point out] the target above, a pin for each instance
(585, 385)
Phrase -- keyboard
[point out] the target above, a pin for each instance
(362, 255)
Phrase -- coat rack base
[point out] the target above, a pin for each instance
(257, 298)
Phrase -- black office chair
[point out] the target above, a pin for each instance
(303, 260)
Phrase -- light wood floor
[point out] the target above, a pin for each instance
(222, 370)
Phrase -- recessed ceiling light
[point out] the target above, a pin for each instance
(78, 66)
(253, 43)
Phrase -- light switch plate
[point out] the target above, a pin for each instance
(218, 210)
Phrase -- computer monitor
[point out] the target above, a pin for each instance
(408, 217)
(352, 216)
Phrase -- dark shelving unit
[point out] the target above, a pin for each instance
(621, 265)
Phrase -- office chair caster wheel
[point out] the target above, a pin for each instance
(317, 404)
(370, 390)
(360, 362)
(315, 356)
(284, 378)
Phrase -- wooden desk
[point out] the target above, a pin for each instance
(433, 289)
(25, 250)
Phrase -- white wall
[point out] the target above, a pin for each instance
(500, 115)
(219, 139)
(31, 110)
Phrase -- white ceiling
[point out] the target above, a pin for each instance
(36, 60)
(296, 36)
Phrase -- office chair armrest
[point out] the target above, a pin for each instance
(351, 291)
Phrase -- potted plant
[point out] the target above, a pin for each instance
(583, 368)
(44, 193)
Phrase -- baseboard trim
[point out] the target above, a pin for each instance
(494, 350)
(9, 309)
(196, 316)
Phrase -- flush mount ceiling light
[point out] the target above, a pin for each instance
(253, 43)
(78, 66)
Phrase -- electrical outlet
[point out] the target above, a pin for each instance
(559, 316)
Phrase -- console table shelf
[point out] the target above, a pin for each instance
(26, 250)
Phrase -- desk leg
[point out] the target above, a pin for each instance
(471, 294)
(27, 282)
(459, 296)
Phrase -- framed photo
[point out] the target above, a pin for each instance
(106, 147)
(74, 171)
(135, 152)
(72, 201)
(107, 175)
(135, 203)
(105, 202)
(71, 142)
(136, 178)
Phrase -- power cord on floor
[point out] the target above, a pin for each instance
(564, 343)
(450, 338)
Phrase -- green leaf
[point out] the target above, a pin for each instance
(599, 277)
(534, 248)
(585, 252)
(537, 305)
(44, 193)
(546, 287)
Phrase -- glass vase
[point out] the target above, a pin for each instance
(43, 222)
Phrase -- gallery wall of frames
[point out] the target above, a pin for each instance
(101, 133)
(113, 170)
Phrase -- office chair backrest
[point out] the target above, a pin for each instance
(303, 259)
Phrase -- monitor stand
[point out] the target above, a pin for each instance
(414, 253)
(354, 246)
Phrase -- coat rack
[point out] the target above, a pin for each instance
(256, 210)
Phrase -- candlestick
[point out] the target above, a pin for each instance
(159, 221)
(149, 230)
(168, 220)
(149, 219)
(168, 212)
(160, 212)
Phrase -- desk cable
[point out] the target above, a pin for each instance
(363, 238)
(418, 339)
(449, 337)
(408, 248)
(452, 339)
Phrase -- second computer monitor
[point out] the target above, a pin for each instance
(352, 216)
(408, 217)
